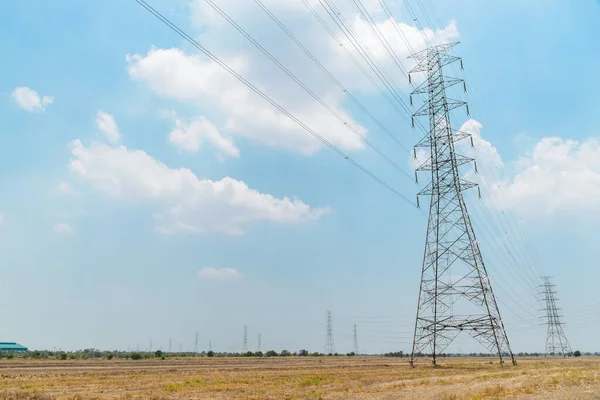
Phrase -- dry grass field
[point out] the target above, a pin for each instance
(299, 378)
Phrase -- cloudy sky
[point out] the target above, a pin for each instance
(148, 194)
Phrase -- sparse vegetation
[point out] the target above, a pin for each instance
(352, 378)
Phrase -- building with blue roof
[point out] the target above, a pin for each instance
(12, 346)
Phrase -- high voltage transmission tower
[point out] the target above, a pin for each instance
(355, 341)
(329, 346)
(259, 343)
(455, 293)
(556, 340)
(245, 342)
(196, 343)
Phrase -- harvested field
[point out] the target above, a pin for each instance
(299, 378)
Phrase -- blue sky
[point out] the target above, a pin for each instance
(148, 196)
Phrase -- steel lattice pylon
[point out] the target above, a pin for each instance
(329, 346)
(456, 293)
(556, 340)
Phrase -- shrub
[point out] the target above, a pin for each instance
(62, 356)
(158, 354)
(303, 353)
(136, 356)
(577, 353)
(271, 353)
(210, 354)
(110, 356)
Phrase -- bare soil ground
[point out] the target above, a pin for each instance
(299, 378)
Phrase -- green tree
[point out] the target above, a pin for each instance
(158, 354)
(303, 353)
(210, 354)
(285, 353)
(271, 353)
(136, 356)
(577, 353)
(110, 356)
(62, 356)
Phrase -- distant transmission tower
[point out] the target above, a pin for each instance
(455, 293)
(329, 346)
(196, 344)
(259, 343)
(245, 343)
(169, 345)
(556, 340)
(355, 343)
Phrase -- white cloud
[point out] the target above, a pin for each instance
(65, 189)
(559, 175)
(189, 78)
(191, 204)
(30, 100)
(62, 228)
(189, 136)
(222, 273)
(106, 123)
(236, 110)
(483, 151)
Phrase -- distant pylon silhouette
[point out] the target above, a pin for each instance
(355, 342)
(455, 294)
(556, 340)
(329, 346)
(245, 343)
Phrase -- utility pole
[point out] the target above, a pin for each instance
(259, 343)
(169, 345)
(196, 344)
(329, 345)
(455, 293)
(210, 345)
(150, 346)
(556, 340)
(355, 343)
(245, 342)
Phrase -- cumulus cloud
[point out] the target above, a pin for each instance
(107, 125)
(236, 110)
(190, 136)
(218, 274)
(28, 99)
(62, 228)
(189, 78)
(189, 204)
(559, 175)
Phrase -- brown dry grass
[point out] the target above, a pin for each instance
(298, 378)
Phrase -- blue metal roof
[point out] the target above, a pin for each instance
(11, 346)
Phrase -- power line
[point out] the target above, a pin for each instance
(333, 112)
(329, 74)
(226, 67)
